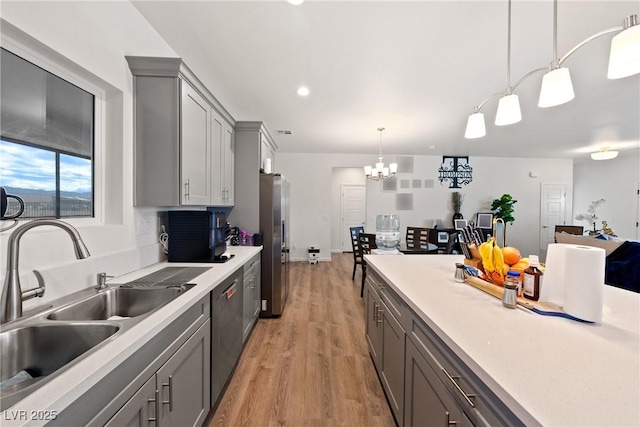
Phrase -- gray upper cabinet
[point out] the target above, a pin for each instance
(253, 143)
(183, 137)
(223, 159)
(195, 137)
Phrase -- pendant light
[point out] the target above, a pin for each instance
(624, 60)
(556, 84)
(380, 171)
(475, 125)
(509, 105)
(624, 57)
(557, 88)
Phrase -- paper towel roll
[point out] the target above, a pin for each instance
(584, 282)
(267, 165)
(552, 288)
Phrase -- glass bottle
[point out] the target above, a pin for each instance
(510, 292)
(532, 278)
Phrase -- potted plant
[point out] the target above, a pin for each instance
(503, 208)
(456, 201)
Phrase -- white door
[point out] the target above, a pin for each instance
(353, 211)
(552, 205)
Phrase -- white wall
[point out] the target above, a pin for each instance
(92, 39)
(314, 198)
(617, 181)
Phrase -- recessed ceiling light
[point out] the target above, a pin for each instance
(303, 91)
(295, 2)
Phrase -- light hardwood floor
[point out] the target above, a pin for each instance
(310, 367)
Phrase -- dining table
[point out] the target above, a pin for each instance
(420, 250)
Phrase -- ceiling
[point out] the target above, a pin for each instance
(416, 68)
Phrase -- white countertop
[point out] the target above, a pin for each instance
(548, 370)
(60, 392)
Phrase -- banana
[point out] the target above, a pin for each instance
(485, 250)
(498, 259)
(505, 269)
(493, 261)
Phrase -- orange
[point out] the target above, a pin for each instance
(511, 255)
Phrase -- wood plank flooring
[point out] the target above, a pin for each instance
(310, 367)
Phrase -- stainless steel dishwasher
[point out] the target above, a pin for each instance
(226, 335)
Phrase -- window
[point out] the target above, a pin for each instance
(46, 141)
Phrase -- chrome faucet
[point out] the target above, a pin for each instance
(12, 295)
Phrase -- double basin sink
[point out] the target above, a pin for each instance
(36, 348)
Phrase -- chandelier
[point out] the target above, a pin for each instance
(380, 171)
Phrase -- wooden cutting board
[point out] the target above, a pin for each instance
(539, 307)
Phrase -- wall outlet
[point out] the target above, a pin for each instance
(143, 226)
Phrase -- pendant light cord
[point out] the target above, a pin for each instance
(509, 49)
(555, 63)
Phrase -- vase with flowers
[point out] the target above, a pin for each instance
(591, 216)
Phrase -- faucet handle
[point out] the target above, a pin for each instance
(35, 292)
(101, 278)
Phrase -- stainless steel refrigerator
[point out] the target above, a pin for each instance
(274, 225)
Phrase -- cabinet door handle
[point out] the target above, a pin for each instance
(156, 401)
(447, 419)
(466, 396)
(380, 311)
(186, 189)
(170, 401)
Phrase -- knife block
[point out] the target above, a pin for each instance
(474, 262)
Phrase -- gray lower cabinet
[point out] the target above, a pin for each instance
(251, 296)
(386, 338)
(427, 401)
(461, 392)
(425, 381)
(178, 393)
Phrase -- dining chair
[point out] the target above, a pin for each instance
(417, 238)
(357, 257)
(366, 243)
(451, 243)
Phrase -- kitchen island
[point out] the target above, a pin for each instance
(545, 370)
(66, 391)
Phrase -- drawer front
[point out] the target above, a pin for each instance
(427, 401)
(396, 305)
(252, 265)
(478, 402)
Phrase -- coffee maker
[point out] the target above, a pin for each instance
(197, 236)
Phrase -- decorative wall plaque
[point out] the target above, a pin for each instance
(456, 170)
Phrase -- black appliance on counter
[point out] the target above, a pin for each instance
(197, 236)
